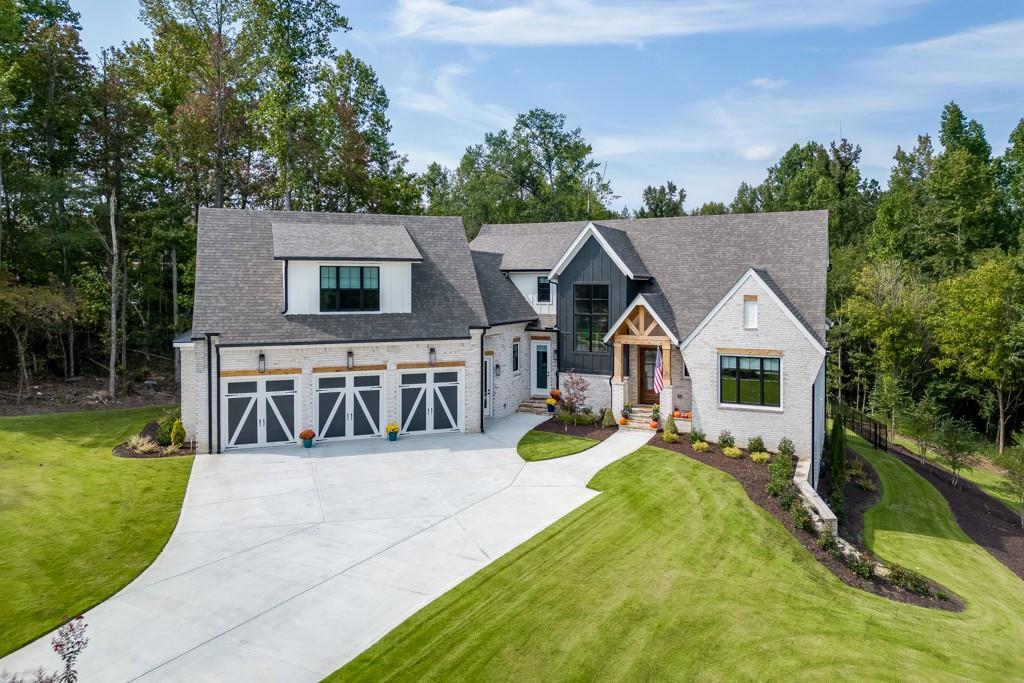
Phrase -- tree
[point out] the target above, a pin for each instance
(28, 310)
(711, 209)
(979, 330)
(662, 201)
(1012, 462)
(291, 37)
(836, 454)
(921, 423)
(954, 444)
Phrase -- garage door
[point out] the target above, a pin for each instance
(431, 401)
(349, 406)
(259, 412)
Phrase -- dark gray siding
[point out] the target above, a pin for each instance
(591, 265)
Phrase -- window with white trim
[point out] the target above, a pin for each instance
(543, 290)
(750, 312)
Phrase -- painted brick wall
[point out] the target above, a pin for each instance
(308, 357)
(512, 387)
(801, 363)
(599, 393)
(188, 390)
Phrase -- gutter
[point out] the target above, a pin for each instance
(209, 392)
(285, 310)
(218, 397)
(482, 382)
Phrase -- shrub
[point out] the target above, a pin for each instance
(142, 444)
(732, 452)
(670, 426)
(656, 412)
(908, 579)
(828, 542)
(788, 496)
(786, 447)
(669, 437)
(837, 503)
(860, 566)
(568, 417)
(942, 595)
(608, 420)
(177, 433)
(697, 435)
(761, 456)
(801, 517)
(835, 453)
(702, 447)
(163, 433)
(726, 439)
(756, 443)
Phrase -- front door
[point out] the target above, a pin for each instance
(648, 360)
(488, 386)
(541, 351)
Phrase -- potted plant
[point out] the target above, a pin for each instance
(392, 430)
(627, 410)
(307, 436)
(555, 393)
(551, 402)
(655, 416)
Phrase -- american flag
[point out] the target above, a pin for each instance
(659, 382)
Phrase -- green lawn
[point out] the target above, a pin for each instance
(546, 445)
(993, 483)
(672, 573)
(77, 523)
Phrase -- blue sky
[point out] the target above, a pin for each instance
(706, 93)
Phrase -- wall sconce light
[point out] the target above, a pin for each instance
(262, 362)
(350, 360)
(497, 370)
(432, 356)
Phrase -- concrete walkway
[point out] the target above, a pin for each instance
(287, 563)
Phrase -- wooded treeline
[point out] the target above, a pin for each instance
(105, 160)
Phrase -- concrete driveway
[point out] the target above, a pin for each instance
(287, 563)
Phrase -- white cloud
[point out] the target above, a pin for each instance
(579, 22)
(765, 83)
(759, 152)
(449, 99)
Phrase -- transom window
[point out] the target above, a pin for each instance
(543, 290)
(750, 381)
(591, 316)
(349, 288)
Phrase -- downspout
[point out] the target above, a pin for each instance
(218, 396)
(482, 381)
(285, 309)
(209, 392)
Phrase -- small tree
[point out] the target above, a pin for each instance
(954, 441)
(1012, 460)
(836, 453)
(574, 393)
(922, 421)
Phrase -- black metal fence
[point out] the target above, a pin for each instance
(868, 428)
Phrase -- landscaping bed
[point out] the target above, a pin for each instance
(754, 479)
(987, 521)
(122, 450)
(592, 431)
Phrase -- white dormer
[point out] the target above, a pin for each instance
(357, 269)
(537, 289)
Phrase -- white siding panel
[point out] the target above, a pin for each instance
(304, 286)
(527, 284)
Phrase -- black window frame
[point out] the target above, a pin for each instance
(363, 305)
(737, 398)
(594, 342)
(546, 298)
(515, 356)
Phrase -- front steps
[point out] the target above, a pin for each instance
(533, 406)
(639, 420)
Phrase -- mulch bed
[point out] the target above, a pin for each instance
(986, 520)
(595, 432)
(754, 479)
(150, 430)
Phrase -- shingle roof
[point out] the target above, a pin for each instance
(502, 299)
(620, 243)
(295, 238)
(239, 291)
(695, 260)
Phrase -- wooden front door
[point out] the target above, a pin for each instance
(647, 360)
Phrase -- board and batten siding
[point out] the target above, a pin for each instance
(304, 285)
(527, 284)
(591, 265)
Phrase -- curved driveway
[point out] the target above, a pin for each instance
(287, 563)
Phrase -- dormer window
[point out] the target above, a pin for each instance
(349, 288)
(543, 290)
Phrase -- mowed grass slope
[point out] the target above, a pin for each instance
(537, 445)
(77, 523)
(672, 573)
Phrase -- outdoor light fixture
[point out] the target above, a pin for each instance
(432, 356)
(262, 363)
(497, 370)
(351, 360)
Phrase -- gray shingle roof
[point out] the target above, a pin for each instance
(695, 260)
(239, 290)
(295, 238)
(620, 243)
(502, 299)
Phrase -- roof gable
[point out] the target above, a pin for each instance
(648, 303)
(615, 243)
(295, 238)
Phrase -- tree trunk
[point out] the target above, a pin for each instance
(174, 287)
(124, 314)
(1001, 400)
(71, 347)
(115, 280)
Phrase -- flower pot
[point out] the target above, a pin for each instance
(392, 436)
(555, 393)
(551, 408)
(308, 443)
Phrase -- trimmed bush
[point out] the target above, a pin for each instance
(697, 435)
(732, 452)
(788, 496)
(163, 433)
(756, 443)
(828, 542)
(701, 446)
(801, 517)
(786, 447)
(670, 427)
(583, 418)
(908, 579)
(608, 420)
(726, 439)
(859, 566)
(177, 433)
(669, 437)
(761, 456)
